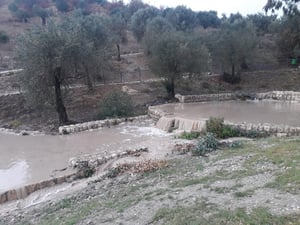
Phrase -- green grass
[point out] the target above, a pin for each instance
(285, 154)
(243, 194)
(190, 135)
(199, 214)
(73, 215)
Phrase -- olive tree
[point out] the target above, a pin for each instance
(24, 9)
(174, 54)
(182, 18)
(289, 7)
(54, 54)
(140, 19)
(156, 26)
(233, 46)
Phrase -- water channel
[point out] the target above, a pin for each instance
(30, 159)
(266, 111)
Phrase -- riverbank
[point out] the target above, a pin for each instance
(253, 183)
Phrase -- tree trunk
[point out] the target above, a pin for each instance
(43, 21)
(60, 107)
(88, 78)
(170, 87)
(118, 52)
(232, 70)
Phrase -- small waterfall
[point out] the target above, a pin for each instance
(189, 125)
(169, 123)
(166, 123)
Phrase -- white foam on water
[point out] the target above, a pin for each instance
(15, 175)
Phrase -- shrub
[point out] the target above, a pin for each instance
(215, 126)
(228, 131)
(221, 130)
(206, 144)
(4, 38)
(190, 135)
(116, 104)
(232, 79)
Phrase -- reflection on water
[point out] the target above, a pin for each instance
(14, 176)
(275, 112)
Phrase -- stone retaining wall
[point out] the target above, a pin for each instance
(94, 161)
(75, 128)
(205, 98)
(280, 95)
(81, 164)
(23, 192)
(278, 130)
(274, 95)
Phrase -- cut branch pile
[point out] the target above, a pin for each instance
(140, 167)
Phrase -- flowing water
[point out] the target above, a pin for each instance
(30, 159)
(194, 114)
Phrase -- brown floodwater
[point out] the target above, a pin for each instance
(28, 159)
(273, 112)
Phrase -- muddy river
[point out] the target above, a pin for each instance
(29, 159)
(274, 112)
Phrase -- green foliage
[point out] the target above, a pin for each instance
(221, 130)
(140, 19)
(156, 26)
(235, 144)
(216, 126)
(116, 104)
(182, 18)
(208, 19)
(62, 5)
(25, 9)
(206, 144)
(4, 38)
(75, 47)
(261, 22)
(233, 46)
(289, 7)
(175, 53)
(289, 36)
(190, 135)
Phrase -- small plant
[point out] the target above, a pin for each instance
(221, 130)
(15, 124)
(235, 144)
(116, 104)
(206, 144)
(190, 135)
(215, 126)
(4, 38)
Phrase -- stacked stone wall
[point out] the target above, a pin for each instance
(272, 129)
(75, 128)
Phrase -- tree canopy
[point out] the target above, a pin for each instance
(54, 54)
(288, 6)
(174, 54)
(24, 9)
(233, 46)
(140, 19)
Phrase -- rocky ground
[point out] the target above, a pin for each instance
(255, 182)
